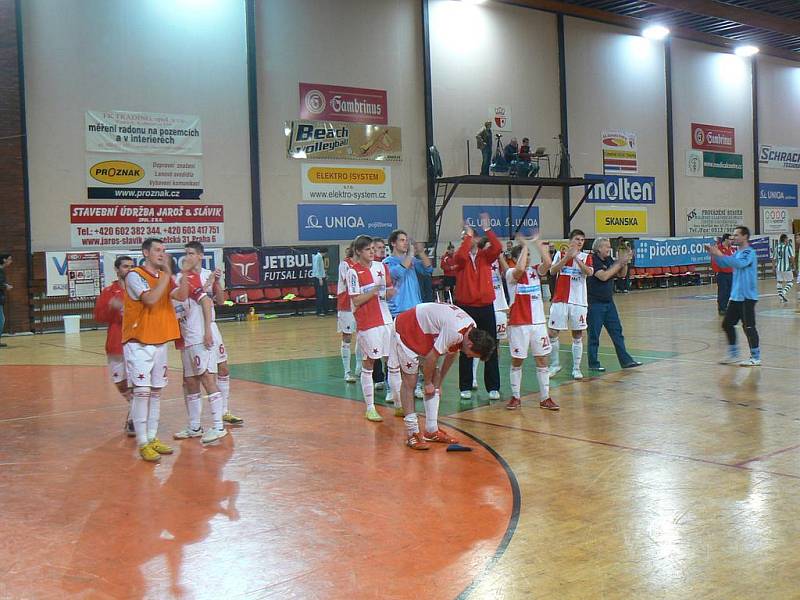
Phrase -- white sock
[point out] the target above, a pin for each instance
(543, 375)
(412, 424)
(577, 353)
(368, 387)
(395, 381)
(128, 394)
(475, 362)
(516, 381)
(215, 404)
(153, 414)
(359, 359)
(139, 403)
(432, 414)
(346, 357)
(555, 360)
(194, 409)
(224, 385)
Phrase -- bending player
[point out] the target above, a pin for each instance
(345, 322)
(569, 307)
(527, 327)
(108, 309)
(148, 324)
(369, 285)
(431, 330)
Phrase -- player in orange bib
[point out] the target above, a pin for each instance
(427, 332)
(148, 324)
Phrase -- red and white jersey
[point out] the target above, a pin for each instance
(190, 313)
(432, 326)
(207, 277)
(527, 307)
(571, 282)
(342, 297)
(361, 280)
(500, 302)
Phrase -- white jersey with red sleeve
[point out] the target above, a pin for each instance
(500, 302)
(527, 307)
(432, 326)
(342, 297)
(571, 282)
(190, 313)
(362, 280)
(207, 277)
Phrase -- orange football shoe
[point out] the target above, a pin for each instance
(439, 437)
(415, 442)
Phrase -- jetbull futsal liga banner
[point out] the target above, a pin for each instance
(338, 140)
(275, 266)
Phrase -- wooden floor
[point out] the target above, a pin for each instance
(676, 480)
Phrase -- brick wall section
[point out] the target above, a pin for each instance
(13, 217)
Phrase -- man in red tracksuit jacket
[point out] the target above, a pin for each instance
(475, 296)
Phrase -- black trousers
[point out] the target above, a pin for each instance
(484, 320)
(744, 311)
(378, 376)
(724, 283)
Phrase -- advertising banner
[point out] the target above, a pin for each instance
(97, 225)
(777, 194)
(84, 275)
(275, 266)
(322, 222)
(142, 132)
(775, 220)
(498, 218)
(713, 137)
(500, 116)
(694, 163)
(346, 182)
(720, 164)
(763, 247)
(139, 177)
(671, 252)
(337, 140)
(620, 220)
(622, 189)
(619, 152)
(714, 221)
(340, 103)
(778, 157)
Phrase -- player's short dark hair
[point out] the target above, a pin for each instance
(4, 258)
(376, 240)
(483, 343)
(196, 246)
(323, 250)
(726, 236)
(783, 238)
(361, 242)
(516, 251)
(148, 243)
(395, 234)
(575, 232)
(745, 231)
(482, 242)
(119, 259)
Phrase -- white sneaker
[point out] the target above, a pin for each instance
(349, 378)
(555, 370)
(214, 435)
(731, 359)
(474, 384)
(358, 371)
(418, 394)
(494, 395)
(466, 395)
(380, 385)
(576, 374)
(751, 362)
(185, 434)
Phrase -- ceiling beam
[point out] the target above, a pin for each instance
(744, 16)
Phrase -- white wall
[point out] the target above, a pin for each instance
(152, 55)
(615, 80)
(714, 88)
(359, 43)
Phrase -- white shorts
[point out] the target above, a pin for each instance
(116, 368)
(402, 356)
(197, 359)
(220, 353)
(345, 322)
(522, 337)
(376, 341)
(146, 364)
(501, 318)
(565, 317)
(784, 276)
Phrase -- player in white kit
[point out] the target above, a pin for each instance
(527, 326)
(369, 285)
(569, 306)
(499, 267)
(345, 321)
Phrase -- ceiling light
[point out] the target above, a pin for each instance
(473, 1)
(745, 50)
(655, 32)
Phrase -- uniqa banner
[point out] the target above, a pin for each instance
(142, 132)
(275, 266)
(322, 222)
(500, 220)
(346, 182)
(337, 140)
(143, 177)
(777, 194)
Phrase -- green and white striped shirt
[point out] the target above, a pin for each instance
(784, 254)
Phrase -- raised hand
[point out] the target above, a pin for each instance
(485, 221)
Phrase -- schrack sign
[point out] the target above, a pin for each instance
(713, 137)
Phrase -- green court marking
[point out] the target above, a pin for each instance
(324, 375)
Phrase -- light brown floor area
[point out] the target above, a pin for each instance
(676, 480)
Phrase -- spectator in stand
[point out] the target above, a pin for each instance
(320, 275)
(511, 150)
(475, 296)
(724, 274)
(448, 266)
(5, 262)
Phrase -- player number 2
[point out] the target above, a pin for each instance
(545, 342)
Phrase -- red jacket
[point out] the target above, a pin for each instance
(103, 313)
(730, 251)
(474, 277)
(448, 265)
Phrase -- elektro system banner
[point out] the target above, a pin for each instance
(143, 132)
(346, 182)
(98, 225)
(141, 177)
(620, 220)
(337, 140)
(339, 103)
(275, 266)
(713, 137)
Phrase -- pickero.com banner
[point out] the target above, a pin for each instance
(142, 132)
(275, 266)
(340, 103)
(141, 177)
(671, 252)
(499, 218)
(98, 225)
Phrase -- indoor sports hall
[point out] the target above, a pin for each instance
(257, 254)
